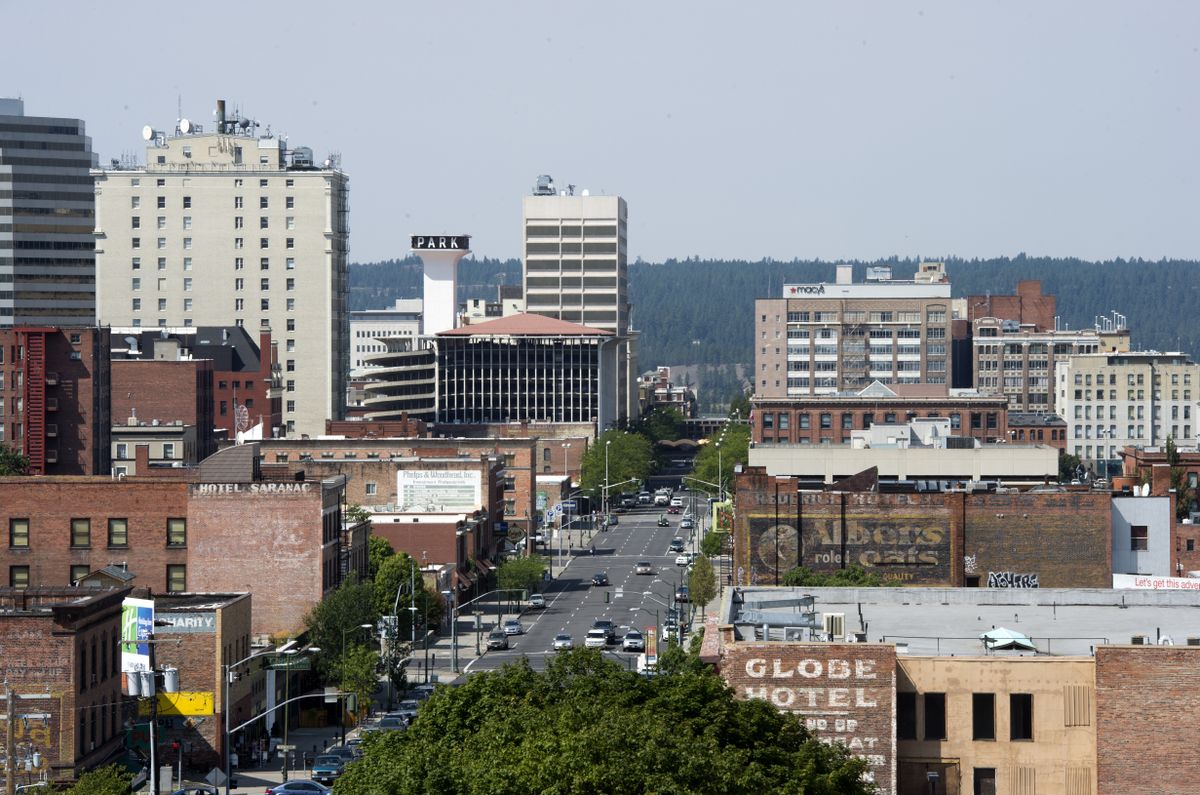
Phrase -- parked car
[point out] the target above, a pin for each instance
(563, 641)
(496, 639)
(643, 567)
(600, 578)
(537, 602)
(633, 641)
(596, 639)
(327, 767)
(610, 631)
(676, 544)
(513, 626)
(298, 787)
(663, 521)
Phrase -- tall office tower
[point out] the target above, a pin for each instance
(822, 338)
(47, 208)
(576, 269)
(229, 227)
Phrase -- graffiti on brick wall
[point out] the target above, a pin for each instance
(970, 564)
(1011, 579)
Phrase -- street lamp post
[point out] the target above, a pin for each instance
(228, 676)
(345, 631)
(607, 444)
(720, 482)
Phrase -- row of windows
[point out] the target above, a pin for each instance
(18, 577)
(783, 420)
(238, 182)
(238, 242)
(1132, 412)
(854, 316)
(983, 716)
(81, 533)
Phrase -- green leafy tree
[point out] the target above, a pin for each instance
(356, 513)
(400, 574)
(110, 780)
(346, 608)
(663, 424)
(586, 724)
(713, 543)
(629, 458)
(702, 583)
(521, 573)
(356, 674)
(378, 550)
(849, 577)
(1068, 466)
(13, 461)
(734, 439)
(1185, 495)
(740, 406)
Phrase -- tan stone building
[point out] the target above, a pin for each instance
(822, 338)
(227, 227)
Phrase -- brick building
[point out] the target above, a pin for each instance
(201, 632)
(245, 374)
(949, 538)
(830, 419)
(1028, 306)
(163, 393)
(1037, 428)
(64, 642)
(54, 398)
(518, 456)
(560, 445)
(210, 531)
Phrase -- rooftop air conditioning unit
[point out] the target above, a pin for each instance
(834, 624)
(1140, 640)
(1193, 641)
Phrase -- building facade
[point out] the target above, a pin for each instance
(232, 228)
(1114, 400)
(830, 419)
(55, 393)
(526, 368)
(577, 269)
(47, 251)
(822, 338)
(369, 328)
(68, 676)
(165, 402)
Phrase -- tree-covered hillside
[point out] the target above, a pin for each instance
(701, 312)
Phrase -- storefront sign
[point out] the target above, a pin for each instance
(187, 623)
(224, 489)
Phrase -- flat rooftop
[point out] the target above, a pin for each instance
(948, 621)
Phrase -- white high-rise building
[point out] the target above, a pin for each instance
(577, 269)
(230, 227)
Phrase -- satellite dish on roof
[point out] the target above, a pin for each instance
(185, 126)
(148, 133)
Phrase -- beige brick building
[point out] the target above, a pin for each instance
(227, 227)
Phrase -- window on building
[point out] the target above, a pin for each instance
(291, 306)
(984, 781)
(983, 716)
(177, 532)
(264, 284)
(291, 202)
(291, 263)
(162, 242)
(136, 242)
(135, 222)
(906, 716)
(935, 716)
(847, 422)
(176, 578)
(291, 405)
(370, 489)
(78, 572)
(826, 421)
(18, 577)
(263, 242)
(289, 242)
(1139, 537)
(168, 450)
(291, 324)
(18, 533)
(291, 386)
(263, 223)
(1020, 716)
(118, 532)
(81, 532)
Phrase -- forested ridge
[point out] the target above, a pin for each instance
(701, 312)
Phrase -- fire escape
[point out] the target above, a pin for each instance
(35, 402)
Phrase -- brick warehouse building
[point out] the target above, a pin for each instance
(164, 392)
(69, 650)
(54, 398)
(208, 532)
(829, 419)
(950, 538)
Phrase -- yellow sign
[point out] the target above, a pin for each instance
(179, 704)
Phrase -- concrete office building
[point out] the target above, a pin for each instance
(577, 269)
(1113, 400)
(370, 328)
(47, 259)
(822, 338)
(229, 227)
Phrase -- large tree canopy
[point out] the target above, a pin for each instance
(629, 460)
(588, 725)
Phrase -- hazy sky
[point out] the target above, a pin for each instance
(747, 130)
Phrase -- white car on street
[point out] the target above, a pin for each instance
(563, 641)
(596, 639)
(683, 559)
